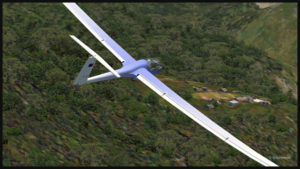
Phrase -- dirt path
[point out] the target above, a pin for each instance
(266, 5)
(215, 95)
(287, 117)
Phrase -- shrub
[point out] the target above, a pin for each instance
(13, 70)
(153, 123)
(187, 95)
(275, 99)
(233, 152)
(272, 118)
(15, 131)
(152, 99)
(133, 115)
(108, 128)
(216, 160)
(167, 152)
(282, 128)
(283, 98)
(107, 91)
(11, 101)
(55, 75)
(226, 120)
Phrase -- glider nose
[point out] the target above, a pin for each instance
(154, 65)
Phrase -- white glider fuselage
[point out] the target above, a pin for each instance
(125, 71)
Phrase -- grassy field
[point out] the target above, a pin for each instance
(275, 31)
(211, 93)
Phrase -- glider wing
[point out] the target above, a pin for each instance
(162, 90)
(105, 39)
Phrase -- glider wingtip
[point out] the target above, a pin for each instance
(67, 3)
(73, 37)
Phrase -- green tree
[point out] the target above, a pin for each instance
(226, 120)
(152, 99)
(168, 142)
(188, 95)
(108, 128)
(153, 123)
(272, 118)
(56, 75)
(15, 131)
(13, 70)
(11, 101)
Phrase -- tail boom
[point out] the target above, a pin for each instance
(101, 77)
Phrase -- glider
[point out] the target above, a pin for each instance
(145, 70)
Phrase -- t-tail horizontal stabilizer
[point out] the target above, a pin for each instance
(83, 76)
(96, 56)
(85, 71)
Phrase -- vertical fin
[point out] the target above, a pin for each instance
(85, 71)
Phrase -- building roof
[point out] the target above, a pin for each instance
(234, 102)
(210, 106)
(258, 100)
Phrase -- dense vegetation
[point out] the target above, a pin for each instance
(48, 121)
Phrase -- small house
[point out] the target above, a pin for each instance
(204, 88)
(242, 99)
(223, 90)
(206, 98)
(196, 89)
(232, 103)
(209, 106)
(263, 102)
(250, 99)
(257, 100)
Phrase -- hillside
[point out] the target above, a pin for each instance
(138, 128)
(49, 122)
(275, 31)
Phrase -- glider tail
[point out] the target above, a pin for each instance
(85, 71)
(83, 76)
